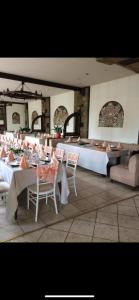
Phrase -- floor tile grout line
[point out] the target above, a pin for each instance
(136, 207)
(94, 225)
(118, 224)
(69, 229)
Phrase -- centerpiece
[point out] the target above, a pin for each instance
(58, 130)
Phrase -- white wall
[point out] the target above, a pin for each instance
(67, 100)
(126, 92)
(9, 112)
(34, 105)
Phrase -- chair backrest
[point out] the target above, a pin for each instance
(47, 174)
(72, 160)
(48, 150)
(133, 167)
(59, 153)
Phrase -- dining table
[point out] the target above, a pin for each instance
(19, 179)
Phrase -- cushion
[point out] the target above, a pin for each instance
(42, 188)
(69, 174)
(134, 152)
(4, 186)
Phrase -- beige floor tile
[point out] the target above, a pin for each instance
(77, 238)
(128, 202)
(109, 195)
(22, 239)
(30, 224)
(9, 232)
(106, 218)
(109, 209)
(50, 218)
(91, 216)
(106, 231)
(84, 193)
(128, 221)
(128, 235)
(82, 227)
(69, 210)
(100, 240)
(127, 210)
(53, 236)
(96, 200)
(64, 226)
(84, 205)
(137, 201)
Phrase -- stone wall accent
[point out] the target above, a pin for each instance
(111, 115)
(81, 102)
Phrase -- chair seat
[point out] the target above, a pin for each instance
(69, 174)
(4, 186)
(42, 188)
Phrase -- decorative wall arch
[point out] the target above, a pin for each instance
(34, 116)
(60, 115)
(111, 115)
(16, 118)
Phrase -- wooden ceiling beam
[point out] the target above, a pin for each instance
(38, 81)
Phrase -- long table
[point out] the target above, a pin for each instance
(20, 179)
(92, 158)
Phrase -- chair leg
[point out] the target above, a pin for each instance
(27, 199)
(55, 204)
(75, 187)
(37, 207)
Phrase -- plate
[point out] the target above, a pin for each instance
(13, 163)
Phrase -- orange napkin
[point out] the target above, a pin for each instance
(2, 152)
(10, 156)
(24, 163)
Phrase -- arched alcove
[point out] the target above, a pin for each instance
(34, 116)
(60, 115)
(111, 115)
(15, 118)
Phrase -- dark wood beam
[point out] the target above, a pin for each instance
(129, 61)
(38, 81)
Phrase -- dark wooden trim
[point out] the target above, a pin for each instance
(129, 61)
(13, 102)
(38, 81)
(76, 132)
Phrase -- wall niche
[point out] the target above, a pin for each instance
(111, 115)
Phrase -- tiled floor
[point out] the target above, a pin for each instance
(98, 214)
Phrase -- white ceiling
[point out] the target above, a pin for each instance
(73, 71)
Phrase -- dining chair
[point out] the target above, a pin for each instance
(44, 187)
(48, 150)
(59, 153)
(71, 166)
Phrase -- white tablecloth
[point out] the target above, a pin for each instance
(91, 158)
(19, 179)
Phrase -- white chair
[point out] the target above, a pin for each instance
(45, 187)
(59, 153)
(71, 165)
(4, 188)
(48, 150)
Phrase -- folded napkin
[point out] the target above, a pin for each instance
(10, 156)
(24, 163)
(2, 152)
